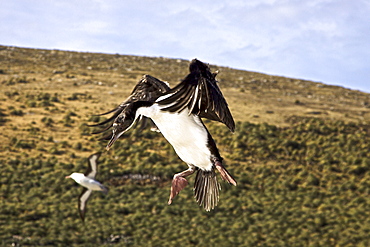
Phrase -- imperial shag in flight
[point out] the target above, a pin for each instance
(177, 113)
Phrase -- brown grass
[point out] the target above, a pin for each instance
(87, 84)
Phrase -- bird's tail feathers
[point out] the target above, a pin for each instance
(104, 189)
(206, 189)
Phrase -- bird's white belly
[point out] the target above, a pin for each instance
(185, 133)
(91, 184)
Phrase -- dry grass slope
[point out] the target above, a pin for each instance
(299, 154)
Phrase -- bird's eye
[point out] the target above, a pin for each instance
(120, 119)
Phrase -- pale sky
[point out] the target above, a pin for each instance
(320, 40)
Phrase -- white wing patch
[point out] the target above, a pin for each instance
(83, 200)
(93, 163)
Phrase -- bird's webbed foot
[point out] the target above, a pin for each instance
(179, 182)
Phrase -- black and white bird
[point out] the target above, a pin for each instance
(177, 113)
(89, 183)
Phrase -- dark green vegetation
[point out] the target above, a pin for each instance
(299, 155)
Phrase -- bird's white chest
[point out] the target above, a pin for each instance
(185, 133)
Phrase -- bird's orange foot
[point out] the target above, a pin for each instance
(178, 183)
(225, 175)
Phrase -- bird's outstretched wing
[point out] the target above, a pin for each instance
(147, 89)
(200, 93)
(92, 167)
(82, 202)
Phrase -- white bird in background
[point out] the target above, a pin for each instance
(88, 181)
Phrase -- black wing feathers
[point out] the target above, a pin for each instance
(148, 89)
(181, 100)
(200, 93)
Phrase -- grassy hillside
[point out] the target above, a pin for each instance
(299, 155)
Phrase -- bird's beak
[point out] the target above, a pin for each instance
(118, 130)
(113, 139)
(122, 124)
(68, 176)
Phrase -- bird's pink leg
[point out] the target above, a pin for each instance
(225, 175)
(179, 182)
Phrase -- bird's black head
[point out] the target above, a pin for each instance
(125, 120)
(121, 124)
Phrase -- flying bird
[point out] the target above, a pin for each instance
(89, 183)
(178, 114)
